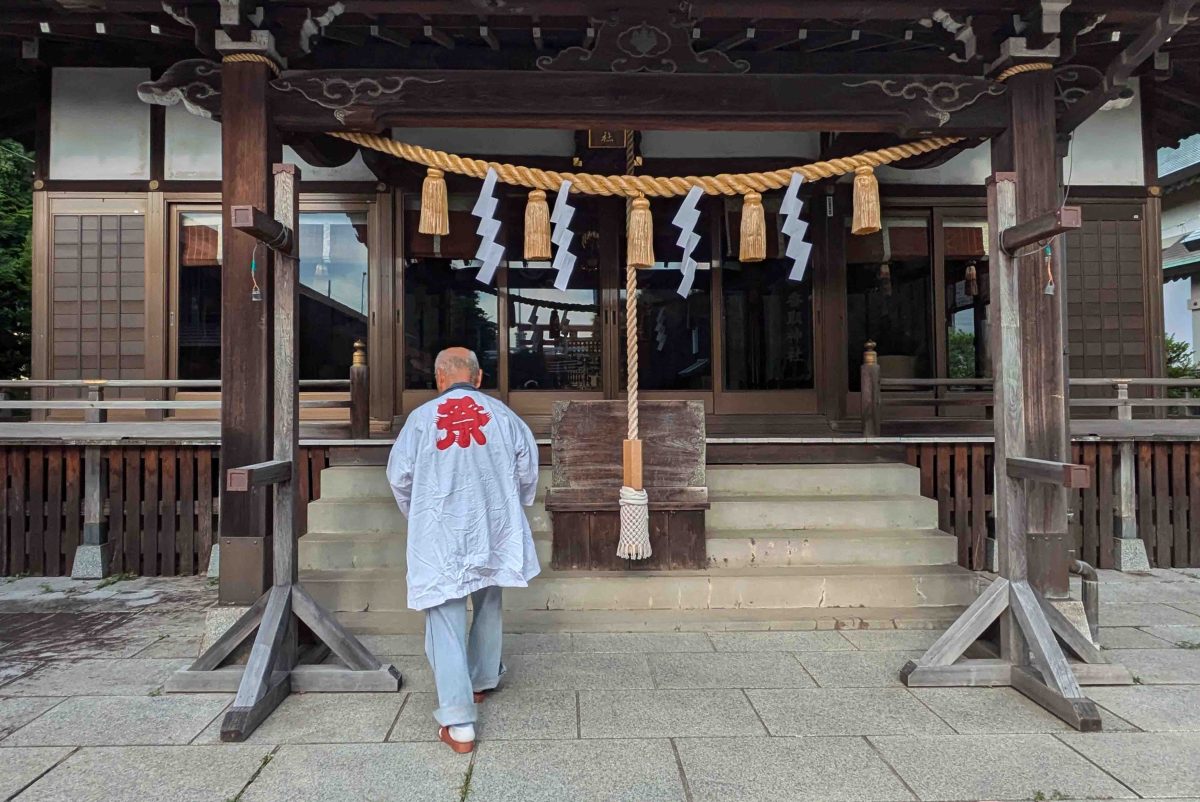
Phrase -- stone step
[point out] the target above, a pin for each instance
(382, 515)
(402, 622)
(781, 547)
(889, 479)
(821, 512)
(383, 589)
(345, 550)
(370, 481)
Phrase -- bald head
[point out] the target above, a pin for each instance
(456, 365)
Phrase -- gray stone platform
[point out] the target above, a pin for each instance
(694, 716)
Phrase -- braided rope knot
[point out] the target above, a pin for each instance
(255, 58)
(1018, 69)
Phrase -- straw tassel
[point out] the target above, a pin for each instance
(435, 209)
(754, 229)
(640, 248)
(866, 202)
(537, 227)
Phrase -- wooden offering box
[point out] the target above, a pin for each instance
(584, 497)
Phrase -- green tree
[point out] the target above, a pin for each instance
(962, 354)
(1181, 363)
(16, 223)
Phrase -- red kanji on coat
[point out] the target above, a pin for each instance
(461, 420)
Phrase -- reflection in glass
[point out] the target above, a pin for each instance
(888, 290)
(674, 333)
(768, 326)
(445, 306)
(199, 329)
(333, 291)
(554, 340)
(965, 247)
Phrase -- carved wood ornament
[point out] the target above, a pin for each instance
(639, 39)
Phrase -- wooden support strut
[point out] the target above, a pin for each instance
(1031, 660)
(273, 670)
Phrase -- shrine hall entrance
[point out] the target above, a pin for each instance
(742, 339)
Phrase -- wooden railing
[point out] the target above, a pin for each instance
(96, 404)
(943, 395)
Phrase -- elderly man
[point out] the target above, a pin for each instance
(461, 470)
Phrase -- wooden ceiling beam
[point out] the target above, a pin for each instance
(437, 36)
(390, 35)
(1171, 19)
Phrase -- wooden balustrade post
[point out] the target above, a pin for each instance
(93, 555)
(870, 391)
(360, 394)
(1130, 551)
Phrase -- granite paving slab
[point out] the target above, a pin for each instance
(1185, 637)
(996, 767)
(11, 670)
(506, 714)
(1155, 764)
(1151, 591)
(1129, 638)
(640, 642)
(122, 721)
(96, 677)
(408, 772)
(537, 642)
(845, 711)
(1156, 708)
(666, 714)
(977, 711)
(416, 675)
(1137, 615)
(1160, 666)
(576, 671)
(624, 770)
(729, 670)
(900, 640)
(856, 669)
(394, 644)
(150, 774)
(307, 718)
(792, 769)
(177, 646)
(17, 711)
(20, 767)
(796, 641)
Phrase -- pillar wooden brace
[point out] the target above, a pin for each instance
(274, 668)
(1033, 633)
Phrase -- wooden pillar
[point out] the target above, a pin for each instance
(249, 146)
(1028, 149)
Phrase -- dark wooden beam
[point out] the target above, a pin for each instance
(910, 105)
(1063, 474)
(239, 480)
(438, 37)
(1172, 19)
(262, 226)
(1041, 229)
(390, 35)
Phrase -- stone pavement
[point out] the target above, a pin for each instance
(642, 717)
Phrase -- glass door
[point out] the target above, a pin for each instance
(766, 322)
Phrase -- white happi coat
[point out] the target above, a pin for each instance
(462, 468)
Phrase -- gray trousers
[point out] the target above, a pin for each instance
(464, 662)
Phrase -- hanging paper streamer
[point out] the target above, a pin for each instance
(794, 228)
(489, 252)
(685, 220)
(561, 235)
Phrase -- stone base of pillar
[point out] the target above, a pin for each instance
(1129, 555)
(91, 562)
(1074, 612)
(214, 562)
